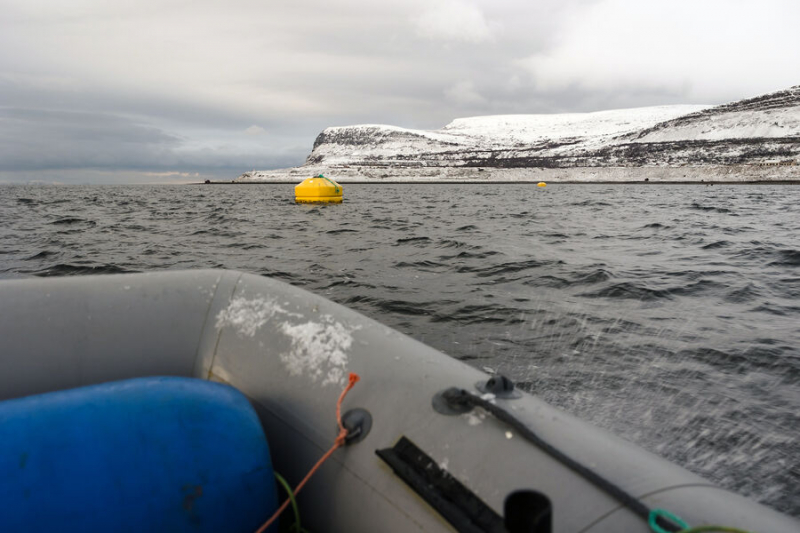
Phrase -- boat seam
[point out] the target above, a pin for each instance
(206, 323)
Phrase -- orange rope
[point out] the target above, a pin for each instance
(338, 443)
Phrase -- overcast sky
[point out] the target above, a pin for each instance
(176, 90)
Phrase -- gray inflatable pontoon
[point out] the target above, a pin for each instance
(290, 352)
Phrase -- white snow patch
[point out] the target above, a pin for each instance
(474, 417)
(489, 397)
(247, 316)
(318, 349)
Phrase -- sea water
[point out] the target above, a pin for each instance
(667, 314)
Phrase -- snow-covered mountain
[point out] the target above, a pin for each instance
(738, 140)
(372, 142)
(750, 131)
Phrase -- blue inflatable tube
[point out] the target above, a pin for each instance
(149, 454)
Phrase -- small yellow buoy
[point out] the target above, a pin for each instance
(541, 184)
(318, 189)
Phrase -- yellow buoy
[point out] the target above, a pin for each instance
(318, 189)
(541, 184)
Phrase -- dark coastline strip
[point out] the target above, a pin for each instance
(515, 182)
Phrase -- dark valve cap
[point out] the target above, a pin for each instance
(500, 386)
(357, 422)
(451, 402)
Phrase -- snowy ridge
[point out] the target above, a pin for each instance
(536, 128)
(772, 123)
(773, 115)
(373, 142)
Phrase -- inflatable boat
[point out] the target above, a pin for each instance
(431, 444)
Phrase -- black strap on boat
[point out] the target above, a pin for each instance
(461, 398)
(455, 502)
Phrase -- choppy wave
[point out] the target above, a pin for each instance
(72, 220)
(66, 269)
(786, 258)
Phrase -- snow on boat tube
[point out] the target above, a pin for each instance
(289, 352)
(147, 454)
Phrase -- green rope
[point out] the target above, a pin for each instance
(329, 181)
(656, 513)
(296, 526)
(663, 513)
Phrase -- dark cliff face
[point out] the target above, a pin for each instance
(321, 139)
(349, 137)
(364, 136)
(672, 143)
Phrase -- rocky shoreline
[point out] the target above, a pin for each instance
(684, 174)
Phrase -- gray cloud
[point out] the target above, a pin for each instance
(173, 86)
(42, 139)
(35, 139)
